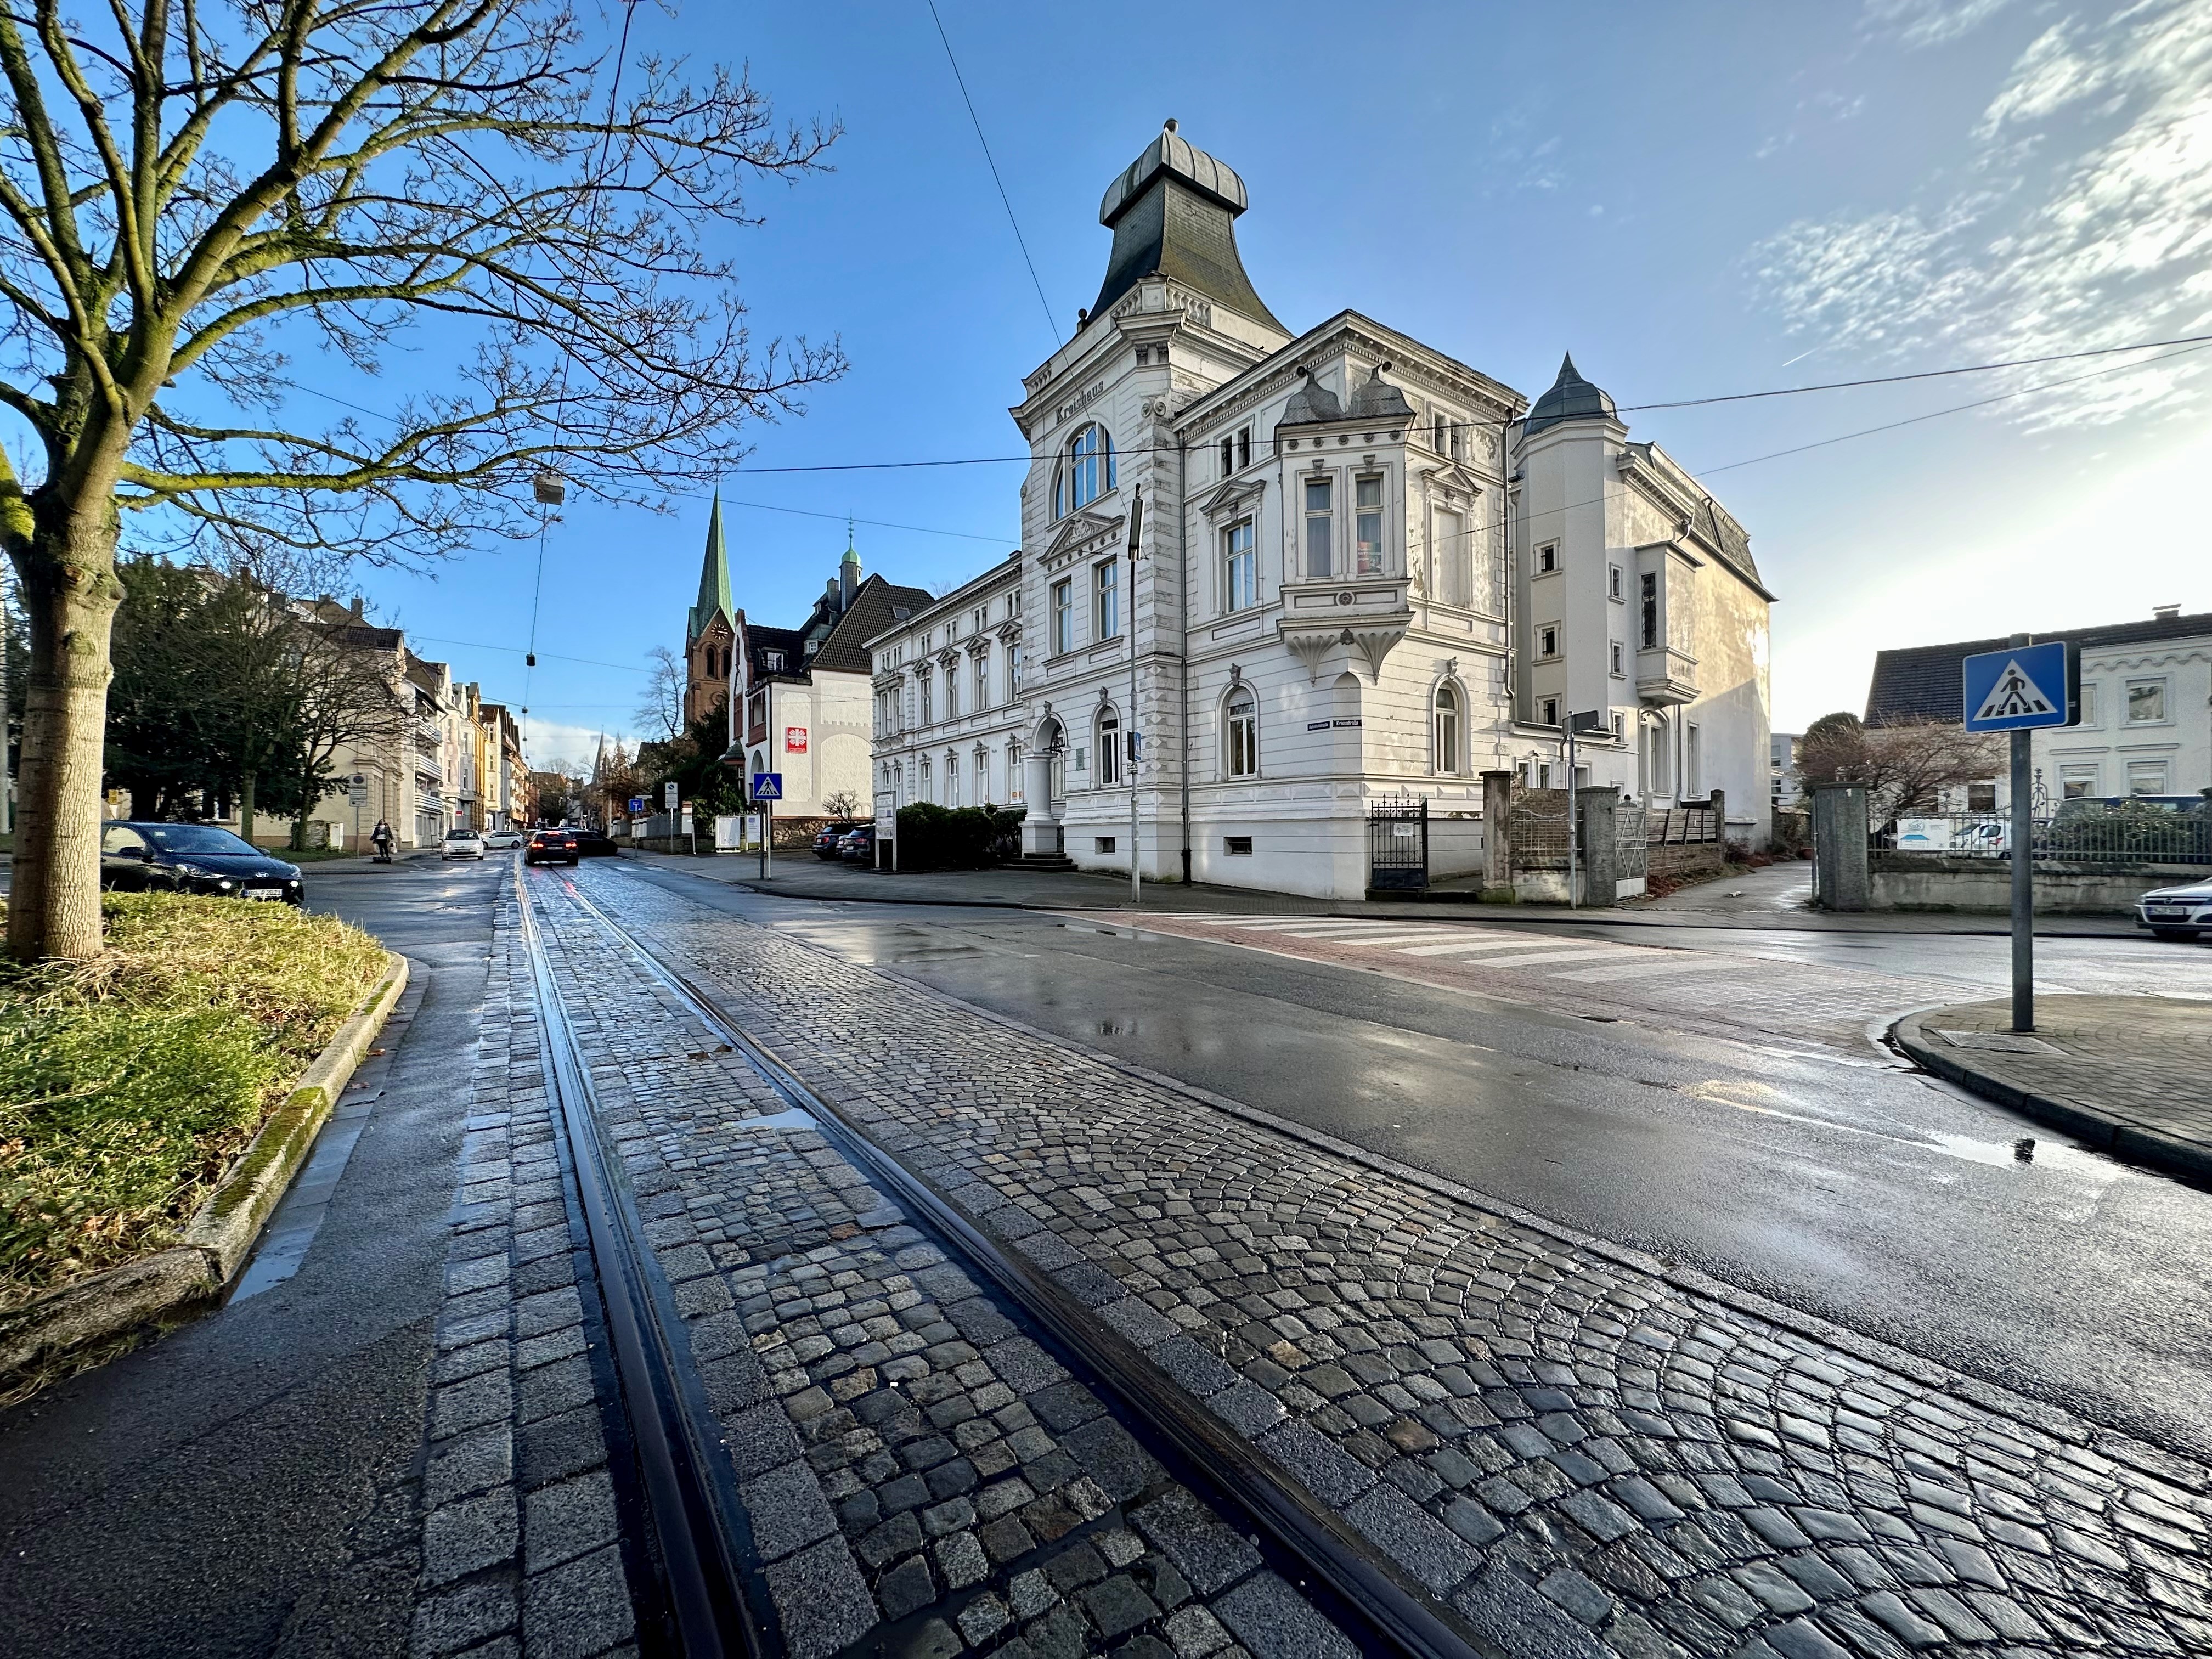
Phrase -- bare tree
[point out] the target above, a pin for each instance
(1905, 765)
(660, 705)
(843, 804)
(192, 189)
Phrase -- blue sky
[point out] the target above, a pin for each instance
(1695, 199)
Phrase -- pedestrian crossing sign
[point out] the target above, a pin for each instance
(2022, 687)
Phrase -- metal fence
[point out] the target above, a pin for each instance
(1398, 846)
(2099, 835)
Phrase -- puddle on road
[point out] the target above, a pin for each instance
(1117, 1028)
(797, 1118)
(1999, 1154)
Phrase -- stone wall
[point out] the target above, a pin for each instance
(1922, 881)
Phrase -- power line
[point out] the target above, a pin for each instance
(962, 81)
(518, 651)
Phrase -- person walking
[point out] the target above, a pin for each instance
(381, 838)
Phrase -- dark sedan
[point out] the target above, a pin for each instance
(591, 844)
(858, 844)
(550, 847)
(140, 857)
(826, 844)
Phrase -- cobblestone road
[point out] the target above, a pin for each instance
(1581, 1453)
(921, 1475)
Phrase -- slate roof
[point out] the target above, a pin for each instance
(1172, 211)
(1310, 405)
(845, 651)
(1376, 399)
(1923, 682)
(761, 638)
(1571, 399)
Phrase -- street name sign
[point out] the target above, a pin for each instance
(2022, 688)
(767, 786)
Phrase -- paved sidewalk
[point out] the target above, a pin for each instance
(1750, 899)
(2129, 1075)
(1583, 1452)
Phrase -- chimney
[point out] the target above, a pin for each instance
(356, 607)
(2165, 612)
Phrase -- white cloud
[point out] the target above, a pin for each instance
(1929, 22)
(2083, 224)
(547, 741)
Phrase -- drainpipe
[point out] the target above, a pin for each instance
(1182, 630)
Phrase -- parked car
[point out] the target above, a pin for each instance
(827, 845)
(2176, 913)
(139, 856)
(858, 844)
(462, 844)
(591, 844)
(502, 841)
(550, 847)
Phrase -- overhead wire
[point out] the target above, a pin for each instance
(1050, 322)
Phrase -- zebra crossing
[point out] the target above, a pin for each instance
(1474, 943)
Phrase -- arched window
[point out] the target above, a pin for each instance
(1089, 472)
(1447, 729)
(1109, 748)
(1240, 739)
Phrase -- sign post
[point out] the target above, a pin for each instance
(2022, 690)
(1577, 725)
(768, 789)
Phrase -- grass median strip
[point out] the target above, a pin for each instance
(128, 1086)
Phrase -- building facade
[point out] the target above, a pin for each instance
(1271, 579)
(2146, 726)
(801, 700)
(949, 717)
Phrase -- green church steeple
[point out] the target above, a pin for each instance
(714, 592)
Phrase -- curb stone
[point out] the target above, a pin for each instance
(2105, 1132)
(213, 1245)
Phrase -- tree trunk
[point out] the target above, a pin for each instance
(245, 808)
(69, 594)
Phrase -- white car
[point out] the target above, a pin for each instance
(2182, 912)
(502, 841)
(463, 844)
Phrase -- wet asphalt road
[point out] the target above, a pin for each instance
(244, 1486)
(1850, 1188)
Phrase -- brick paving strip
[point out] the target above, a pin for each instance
(1582, 1452)
(920, 1476)
(2129, 1075)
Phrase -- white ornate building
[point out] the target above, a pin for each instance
(1360, 569)
(949, 715)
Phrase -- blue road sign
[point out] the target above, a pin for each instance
(637, 804)
(2021, 688)
(767, 786)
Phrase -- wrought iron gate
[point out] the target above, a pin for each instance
(1397, 846)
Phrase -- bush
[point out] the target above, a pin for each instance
(128, 1085)
(931, 837)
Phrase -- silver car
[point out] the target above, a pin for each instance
(501, 841)
(2179, 913)
(463, 844)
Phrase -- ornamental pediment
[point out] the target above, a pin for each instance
(1079, 533)
(1234, 499)
(1452, 479)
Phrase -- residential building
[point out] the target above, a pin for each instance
(1363, 570)
(1782, 750)
(949, 714)
(2146, 724)
(801, 700)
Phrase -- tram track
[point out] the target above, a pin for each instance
(1314, 1546)
(697, 1542)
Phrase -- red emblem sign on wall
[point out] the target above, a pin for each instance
(794, 739)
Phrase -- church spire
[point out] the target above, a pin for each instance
(715, 591)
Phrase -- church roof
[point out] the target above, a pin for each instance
(1172, 213)
(1571, 399)
(714, 594)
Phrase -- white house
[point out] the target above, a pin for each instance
(1316, 571)
(2146, 726)
(802, 699)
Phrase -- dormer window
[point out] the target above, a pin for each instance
(773, 660)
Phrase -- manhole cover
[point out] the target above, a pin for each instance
(2003, 1042)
